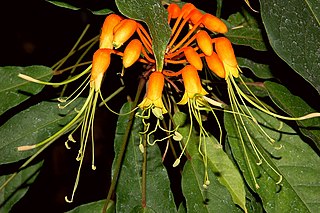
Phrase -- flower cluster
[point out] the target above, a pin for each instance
(197, 43)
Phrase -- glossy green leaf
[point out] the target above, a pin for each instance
(17, 187)
(64, 5)
(226, 172)
(32, 126)
(219, 163)
(260, 70)
(214, 199)
(140, 209)
(295, 107)
(255, 87)
(245, 31)
(156, 17)
(129, 192)
(298, 164)
(14, 90)
(293, 29)
(94, 207)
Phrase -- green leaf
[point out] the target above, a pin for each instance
(14, 90)
(214, 199)
(298, 164)
(17, 187)
(219, 163)
(260, 70)
(243, 30)
(32, 126)
(293, 29)
(94, 207)
(295, 107)
(158, 193)
(64, 5)
(105, 11)
(156, 17)
(226, 172)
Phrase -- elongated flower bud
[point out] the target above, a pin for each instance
(106, 36)
(213, 23)
(196, 15)
(204, 42)
(193, 58)
(186, 9)
(131, 53)
(215, 65)
(100, 64)
(153, 96)
(192, 84)
(173, 10)
(225, 52)
(126, 29)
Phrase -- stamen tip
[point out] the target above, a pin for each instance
(141, 147)
(67, 200)
(25, 148)
(257, 186)
(176, 163)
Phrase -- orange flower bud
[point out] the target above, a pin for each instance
(213, 23)
(173, 10)
(215, 65)
(204, 42)
(100, 64)
(106, 36)
(192, 84)
(153, 96)
(196, 15)
(193, 57)
(131, 53)
(225, 52)
(123, 32)
(186, 9)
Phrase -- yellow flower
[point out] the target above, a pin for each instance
(153, 96)
(192, 84)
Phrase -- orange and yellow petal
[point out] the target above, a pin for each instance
(215, 65)
(214, 24)
(131, 53)
(100, 64)
(193, 57)
(192, 84)
(153, 95)
(123, 32)
(226, 54)
(106, 36)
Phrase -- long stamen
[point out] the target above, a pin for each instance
(310, 115)
(177, 161)
(241, 139)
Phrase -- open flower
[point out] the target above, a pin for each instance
(192, 84)
(226, 54)
(153, 97)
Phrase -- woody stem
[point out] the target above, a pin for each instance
(124, 145)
